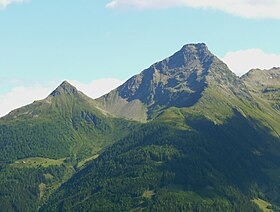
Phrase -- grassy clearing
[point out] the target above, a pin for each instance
(37, 162)
(47, 190)
(83, 162)
(263, 205)
(48, 176)
(42, 189)
(148, 194)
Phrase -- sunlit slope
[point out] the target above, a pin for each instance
(65, 124)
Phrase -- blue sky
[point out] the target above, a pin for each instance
(44, 42)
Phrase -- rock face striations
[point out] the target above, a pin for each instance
(177, 81)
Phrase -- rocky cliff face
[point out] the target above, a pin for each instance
(177, 81)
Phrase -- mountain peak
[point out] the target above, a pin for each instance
(195, 49)
(177, 81)
(188, 57)
(64, 88)
(195, 46)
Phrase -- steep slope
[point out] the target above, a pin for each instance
(161, 167)
(66, 122)
(209, 144)
(178, 81)
(265, 84)
(194, 80)
(44, 143)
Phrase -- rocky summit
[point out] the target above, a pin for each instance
(177, 81)
(64, 88)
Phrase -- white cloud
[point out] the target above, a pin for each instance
(244, 8)
(97, 88)
(242, 61)
(4, 3)
(23, 95)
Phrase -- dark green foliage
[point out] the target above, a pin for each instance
(41, 139)
(57, 138)
(65, 126)
(212, 168)
(20, 187)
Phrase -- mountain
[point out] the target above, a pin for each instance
(186, 134)
(265, 84)
(178, 81)
(44, 143)
(194, 80)
(209, 141)
(66, 122)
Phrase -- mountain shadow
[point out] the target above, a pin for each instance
(160, 167)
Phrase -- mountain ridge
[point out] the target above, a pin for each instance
(201, 139)
(219, 153)
(75, 116)
(177, 81)
(181, 53)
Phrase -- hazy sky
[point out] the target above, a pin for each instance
(43, 42)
